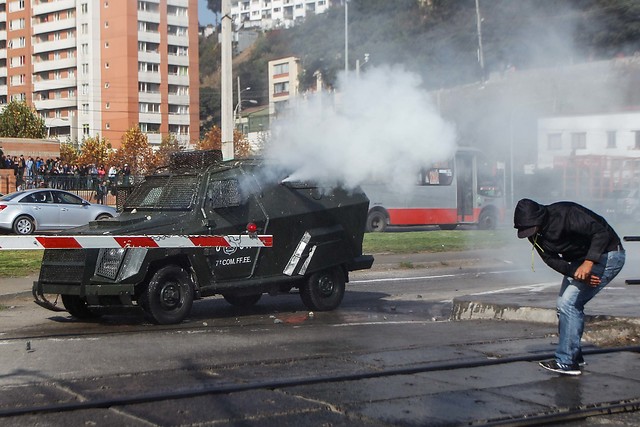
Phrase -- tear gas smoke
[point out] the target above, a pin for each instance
(382, 126)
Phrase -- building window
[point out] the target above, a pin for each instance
(554, 141)
(579, 140)
(84, 28)
(107, 105)
(85, 129)
(84, 8)
(85, 108)
(281, 69)
(611, 139)
(107, 126)
(281, 88)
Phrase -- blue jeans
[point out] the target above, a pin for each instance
(571, 301)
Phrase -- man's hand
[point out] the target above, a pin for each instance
(583, 273)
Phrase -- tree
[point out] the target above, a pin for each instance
(94, 150)
(134, 151)
(213, 141)
(18, 120)
(168, 146)
(68, 153)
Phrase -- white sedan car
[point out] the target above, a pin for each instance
(46, 209)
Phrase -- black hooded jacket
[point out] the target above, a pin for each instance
(569, 233)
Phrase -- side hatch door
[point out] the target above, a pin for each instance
(228, 208)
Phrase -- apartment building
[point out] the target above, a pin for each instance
(269, 14)
(101, 67)
(283, 84)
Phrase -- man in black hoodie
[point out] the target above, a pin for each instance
(580, 245)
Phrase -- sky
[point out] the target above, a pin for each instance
(205, 16)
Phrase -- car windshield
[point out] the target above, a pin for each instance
(164, 192)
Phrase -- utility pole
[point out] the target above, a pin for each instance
(480, 51)
(346, 38)
(226, 84)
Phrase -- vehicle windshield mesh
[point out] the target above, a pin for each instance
(164, 192)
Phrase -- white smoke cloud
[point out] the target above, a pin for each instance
(384, 126)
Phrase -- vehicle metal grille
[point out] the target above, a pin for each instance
(63, 266)
(165, 192)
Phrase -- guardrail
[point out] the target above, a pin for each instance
(632, 239)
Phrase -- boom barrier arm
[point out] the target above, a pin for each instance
(141, 241)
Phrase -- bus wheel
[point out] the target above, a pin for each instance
(324, 290)
(376, 221)
(169, 295)
(487, 220)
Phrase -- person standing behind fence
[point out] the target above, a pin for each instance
(126, 173)
(101, 191)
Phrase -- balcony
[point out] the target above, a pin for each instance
(53, 6)
(54, 26)
(178, 80)
(52, 84)
(54, 45)
(58, 64)
(148, 77)
(178, 99)
(179, 119)
(55, 104)
(149, 16)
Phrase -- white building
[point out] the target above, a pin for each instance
(268, 14)
(615, 135)
(283, 84)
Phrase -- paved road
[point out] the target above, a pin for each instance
(389, 356)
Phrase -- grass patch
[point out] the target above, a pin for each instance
(20, 263)
(435, 241)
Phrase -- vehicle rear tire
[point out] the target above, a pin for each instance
(243, 301)
(77, 307)
(376, 222)
(488, 220)
(324, 290)
(169, 295)
(24, 225)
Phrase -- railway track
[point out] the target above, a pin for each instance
(272, 384)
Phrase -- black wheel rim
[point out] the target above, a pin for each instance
(326, 286)
(170, 296)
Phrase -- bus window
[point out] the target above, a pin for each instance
(437, 175)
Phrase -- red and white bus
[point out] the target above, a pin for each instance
(463, 190)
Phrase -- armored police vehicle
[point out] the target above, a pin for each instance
(317, 240)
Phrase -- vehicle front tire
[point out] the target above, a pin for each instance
(169, 295)
(376, 222)
(243, 301)
(77, 307)
(24, 225)
(324, 290)
(103, 216)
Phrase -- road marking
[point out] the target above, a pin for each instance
(438, 276)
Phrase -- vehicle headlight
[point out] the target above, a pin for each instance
(109, 261)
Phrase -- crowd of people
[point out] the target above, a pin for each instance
(55, 173)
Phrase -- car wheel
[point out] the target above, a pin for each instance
(103, 216)
(242, 300)
(24, 225)
(169, 295)
(324, 290)
(376, 221)
(77, 307)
